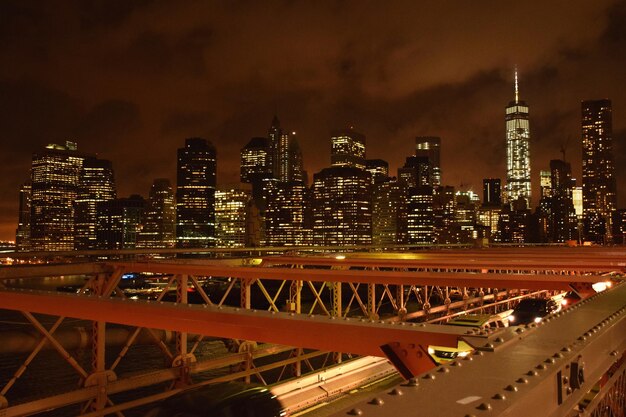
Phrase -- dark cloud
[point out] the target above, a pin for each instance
(109, 123)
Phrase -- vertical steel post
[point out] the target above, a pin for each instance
(400, 302)
(181, 359)
(295, 306)
(371, 301)
(246, 287)
(336, 311)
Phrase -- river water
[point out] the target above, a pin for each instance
(49, 374)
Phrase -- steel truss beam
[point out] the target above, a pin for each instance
(452, 279)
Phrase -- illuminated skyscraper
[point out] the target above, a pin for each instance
(22, 234)
(420, 215)
(159, 219)
(96, 184)
(195, 194)
(285, 154)
(285, 214)
(444, 207)
(230, 217)
(517, 149)
(347, 149)
(342, 212)
(55, 176)
(429, 147)
(599, 190)
(255, 160)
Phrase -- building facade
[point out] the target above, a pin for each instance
(230, 217)
(347, 149)
(599, 189)
(159, 219)
(517, 150)
(119, 222)
(341, 206)
(285, 214)
(195, 194)
(55, 177)
(96, 184)
(430, 147)
(22, 233)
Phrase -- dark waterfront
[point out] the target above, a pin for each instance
(49, 374)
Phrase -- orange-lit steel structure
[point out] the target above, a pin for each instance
(338, 317)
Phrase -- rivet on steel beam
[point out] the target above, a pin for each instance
(332, 318)
(557, 355)
(443, 370)
(254, 310)
(220, 307)
(488, 345)
(550, 360)
(422, 325)
(429, 376)
(455, 363)
(236, 308)
(499, 339)
(541, 366)
(613, 353)
(412, 382)
(532, 373)
(402, 323)
(566, 349)
(519, 330)
(470, 415)
(396, 391)
(523, 380)
(582, 338)
(292, 314)
(376, 401)
(355, 412)
(468, 358)
(478, 353)
(484, 406)
(569, 390)
(499, 396)
(511, 388)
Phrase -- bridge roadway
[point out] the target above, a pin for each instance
(403, 343)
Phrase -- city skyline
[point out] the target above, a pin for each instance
(110, 111)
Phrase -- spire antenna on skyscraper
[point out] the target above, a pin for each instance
(516, 87)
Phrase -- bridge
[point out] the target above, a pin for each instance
(284, 315)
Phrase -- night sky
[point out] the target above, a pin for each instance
(130, 80)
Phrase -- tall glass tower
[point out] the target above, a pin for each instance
(195, 194)
(599, 189)
(517, 149)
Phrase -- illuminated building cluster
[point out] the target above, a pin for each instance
(70, 201)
